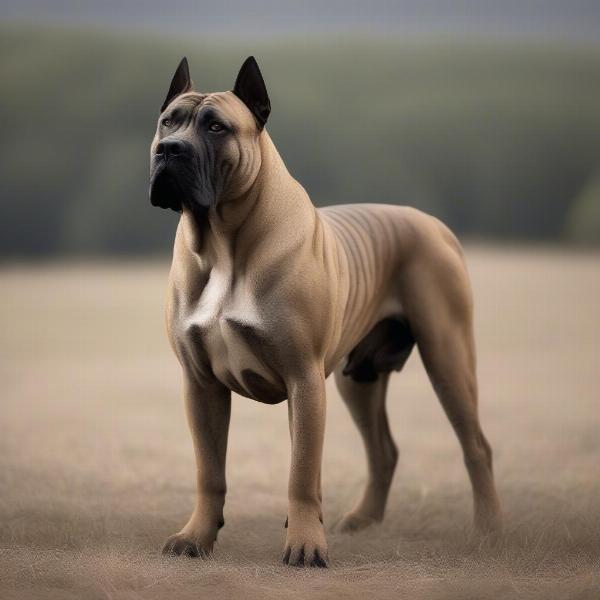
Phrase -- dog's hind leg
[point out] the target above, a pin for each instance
(439, 309)
(448, 359)
(366, 402)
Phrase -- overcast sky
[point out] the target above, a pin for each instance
(569, 19)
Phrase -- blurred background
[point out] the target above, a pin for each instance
(485, 114)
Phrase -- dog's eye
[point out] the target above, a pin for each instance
(215, 126)
(166, 122)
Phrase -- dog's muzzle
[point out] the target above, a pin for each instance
(172, 175)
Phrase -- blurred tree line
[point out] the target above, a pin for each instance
(499, 140)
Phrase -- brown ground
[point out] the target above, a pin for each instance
(96, 465)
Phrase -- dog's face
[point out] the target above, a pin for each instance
(206, 148)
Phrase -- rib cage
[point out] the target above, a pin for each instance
(367, 247)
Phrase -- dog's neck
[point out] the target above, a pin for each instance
(274, 205)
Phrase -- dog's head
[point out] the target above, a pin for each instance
(206, 145)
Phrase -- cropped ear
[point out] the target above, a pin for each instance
(251, 90)
(180, 83)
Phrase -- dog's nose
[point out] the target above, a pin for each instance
(168, 148)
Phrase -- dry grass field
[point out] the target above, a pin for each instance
(96, 465)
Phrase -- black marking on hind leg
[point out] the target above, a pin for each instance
(385, 348)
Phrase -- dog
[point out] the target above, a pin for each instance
(268, 295)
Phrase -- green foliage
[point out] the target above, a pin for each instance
(583, 224)
(495, 139)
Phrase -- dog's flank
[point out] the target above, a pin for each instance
(269, 295)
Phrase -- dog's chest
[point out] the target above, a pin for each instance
(225, 328)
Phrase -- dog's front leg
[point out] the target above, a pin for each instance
(208, 407)
(305, 543)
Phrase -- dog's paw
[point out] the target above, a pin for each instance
(305, 555)
(306, 550)
(181, 544)
(355, 521)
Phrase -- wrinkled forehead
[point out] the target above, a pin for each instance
(225, 105)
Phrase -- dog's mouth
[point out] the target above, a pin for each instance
(165, 190)
(174, 185)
